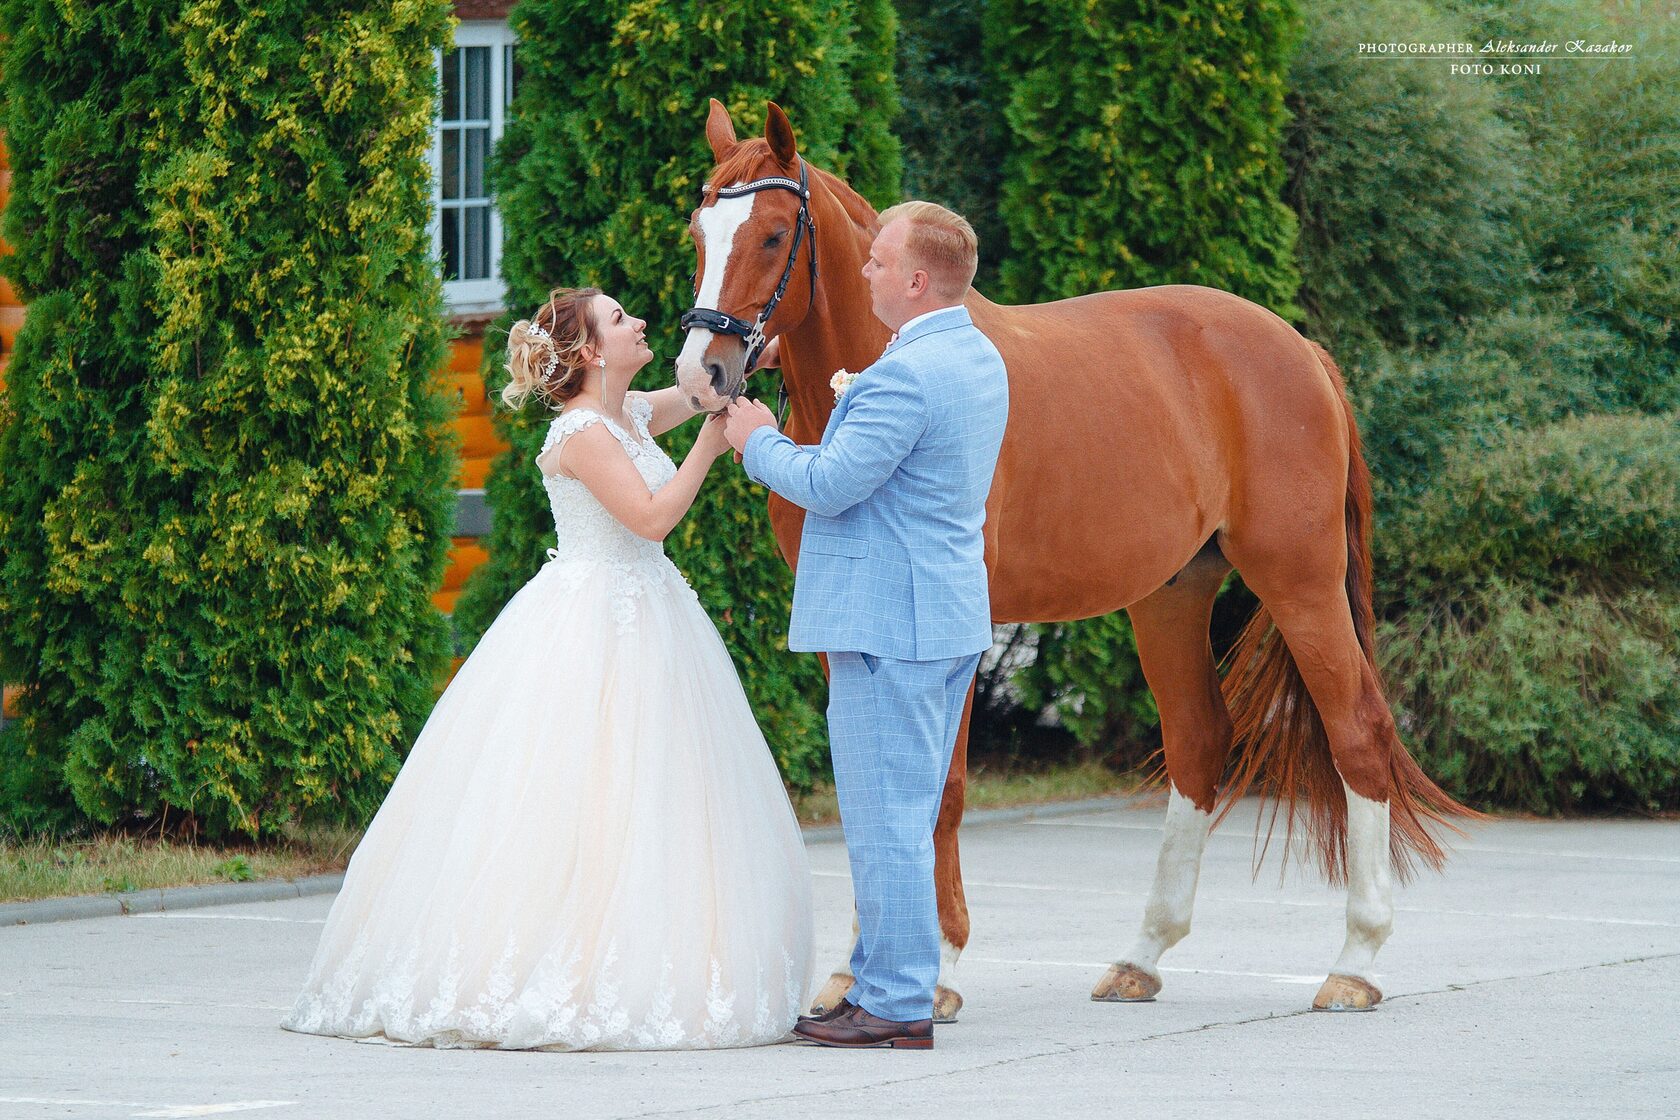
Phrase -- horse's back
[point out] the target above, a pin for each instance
(1168, 404)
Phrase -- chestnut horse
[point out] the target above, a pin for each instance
(1157, 438)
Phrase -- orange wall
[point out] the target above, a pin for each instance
(478, 446)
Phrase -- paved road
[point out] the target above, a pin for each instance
(1539, 977)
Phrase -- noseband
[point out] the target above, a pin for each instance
(719, 322)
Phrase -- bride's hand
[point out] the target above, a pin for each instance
(711, 440)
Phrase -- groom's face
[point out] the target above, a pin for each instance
(893, 284)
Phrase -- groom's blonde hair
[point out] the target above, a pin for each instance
(940, 241)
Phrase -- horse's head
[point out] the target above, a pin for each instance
(755, 257)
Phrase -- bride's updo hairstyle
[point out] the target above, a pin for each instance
(545, 352)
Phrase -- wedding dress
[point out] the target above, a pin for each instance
(589, 846)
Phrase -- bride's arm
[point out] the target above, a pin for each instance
(595, 457)
(670, 409)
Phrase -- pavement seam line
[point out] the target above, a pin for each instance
(1062, 1051)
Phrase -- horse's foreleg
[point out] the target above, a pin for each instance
(841, 980)
(1171, 627)
(947, 875)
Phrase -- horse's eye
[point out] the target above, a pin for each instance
(773, 240)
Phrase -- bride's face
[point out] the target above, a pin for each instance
(620, 338)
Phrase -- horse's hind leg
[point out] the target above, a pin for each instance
(1312, 614)
(1171, 627)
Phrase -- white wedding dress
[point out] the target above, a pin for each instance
(589, 846)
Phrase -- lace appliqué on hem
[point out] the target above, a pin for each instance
(546, 1012)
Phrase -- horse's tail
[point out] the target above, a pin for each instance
(1278, 738)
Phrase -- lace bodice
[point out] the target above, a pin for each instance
(583, 528)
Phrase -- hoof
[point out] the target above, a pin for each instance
(1126, 983)
(1346, 993)
(946, 1003)
(832, 993)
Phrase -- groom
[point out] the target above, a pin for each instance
(891, 585)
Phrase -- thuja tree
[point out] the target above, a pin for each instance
(1144, 146)
(254, 539)
(76, 108)
(595, 178)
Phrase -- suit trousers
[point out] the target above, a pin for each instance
(892, 726)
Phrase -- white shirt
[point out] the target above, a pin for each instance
(927, 315)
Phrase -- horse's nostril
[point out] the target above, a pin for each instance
(715, 371)
(696, 403)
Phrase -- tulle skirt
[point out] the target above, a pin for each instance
(589, 846)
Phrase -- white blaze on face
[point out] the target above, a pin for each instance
(719, 223)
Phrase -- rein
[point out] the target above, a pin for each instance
(720, 322)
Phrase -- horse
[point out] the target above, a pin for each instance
(1157, 438)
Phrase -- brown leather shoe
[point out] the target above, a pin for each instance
(834, 1012)
(857, 1029)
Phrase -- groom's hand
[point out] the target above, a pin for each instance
(746, 417)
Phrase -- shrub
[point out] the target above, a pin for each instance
(1590, 503)
(1548, 704)
(1403, 176)
(584, 204)
(76, 108)
(952, 126)
(255, 537)
(1144, 146)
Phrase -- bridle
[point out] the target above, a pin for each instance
(719, 322)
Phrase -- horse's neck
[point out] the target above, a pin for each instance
(839, 331)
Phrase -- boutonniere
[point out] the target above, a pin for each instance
(840, 382)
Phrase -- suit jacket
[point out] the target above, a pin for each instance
(892, 561)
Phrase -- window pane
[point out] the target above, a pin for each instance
(477, 80)
(510, 75)
(478, 244)
(451, 163)
(452, 85)
(451, 243)
(478, 140)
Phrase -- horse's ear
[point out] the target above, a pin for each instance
(720, 130)
(779, 131)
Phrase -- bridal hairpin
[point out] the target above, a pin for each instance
(553, 351)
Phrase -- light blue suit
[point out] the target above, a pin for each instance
(891, 584)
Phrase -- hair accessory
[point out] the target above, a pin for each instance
(553, 352)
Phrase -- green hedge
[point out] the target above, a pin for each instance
(1404, 176)
(75, 108)
(952, 125)
(1591, 502)
(1144, 146)
(251, 543)
(1543, 703)
(585, 203)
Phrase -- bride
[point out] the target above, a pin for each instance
(589, 846)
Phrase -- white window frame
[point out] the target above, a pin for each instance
(474, 297)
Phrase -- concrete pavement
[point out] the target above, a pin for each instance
(1539, 977)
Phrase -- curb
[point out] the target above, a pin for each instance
(163, 898)
(270, 890)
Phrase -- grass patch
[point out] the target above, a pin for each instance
(999, 789)
(48, 868)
